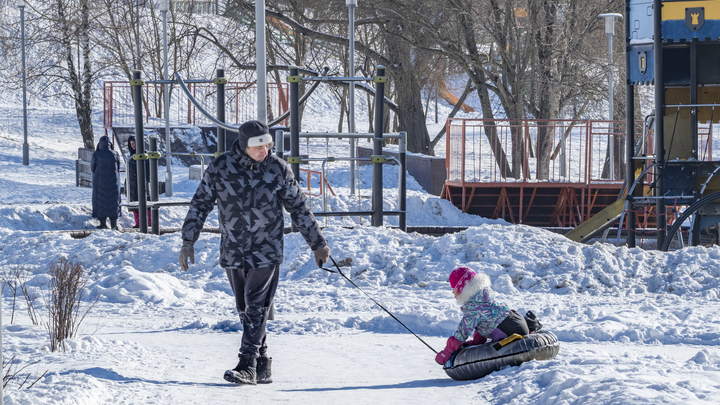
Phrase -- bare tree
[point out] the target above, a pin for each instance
(130, 36)
(61, 66)
(532, 57)
(319, 24)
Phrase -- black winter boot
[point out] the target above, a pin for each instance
(244, 372)
(532, 321)
(264, 376)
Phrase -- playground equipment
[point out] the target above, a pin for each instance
(672, 167)
(487, 177)
(295, 159)
(377, 159)
(676, 46)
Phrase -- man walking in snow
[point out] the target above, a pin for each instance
(251, 187)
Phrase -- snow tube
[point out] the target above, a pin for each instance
(474, 362)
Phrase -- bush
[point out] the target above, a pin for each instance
(16, 280)
(68, 286)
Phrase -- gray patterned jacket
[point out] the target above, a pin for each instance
(250, 197)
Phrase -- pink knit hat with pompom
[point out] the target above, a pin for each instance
(460, 277)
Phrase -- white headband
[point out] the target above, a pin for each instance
(259, 140)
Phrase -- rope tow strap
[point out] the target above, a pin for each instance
(373, 300)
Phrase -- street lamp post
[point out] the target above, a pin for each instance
(260, 62)
(26, 147)
(164, 7)
(351, 4)
(609, 31)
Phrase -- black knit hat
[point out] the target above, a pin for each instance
(253, 133)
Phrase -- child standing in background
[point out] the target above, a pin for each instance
(483, 316)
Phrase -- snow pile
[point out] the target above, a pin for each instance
(634, 325)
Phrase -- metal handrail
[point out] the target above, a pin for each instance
(201, 109)
(340, 135)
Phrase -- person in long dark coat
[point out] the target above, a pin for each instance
(132, 180)
(105, 168)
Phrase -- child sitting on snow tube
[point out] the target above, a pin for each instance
(483, 316)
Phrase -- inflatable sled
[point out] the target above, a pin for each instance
(474, 362)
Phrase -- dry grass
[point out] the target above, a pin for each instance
(13, 372)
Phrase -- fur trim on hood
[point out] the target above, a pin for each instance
(478, 283)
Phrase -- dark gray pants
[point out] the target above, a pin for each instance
(514, 323)
(254, 291)
(113, 221)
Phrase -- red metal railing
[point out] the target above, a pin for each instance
(322, 180)
(504, 151)
(487, 177)
(240, 104)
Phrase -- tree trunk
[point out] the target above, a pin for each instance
(547, 97)
(491, 129)
(343, 110)
(479, 78)
(468, 89)
(81, 87)
(408, 91)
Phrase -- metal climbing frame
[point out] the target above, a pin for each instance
(401, 161)
(240, 101)
(377, 159)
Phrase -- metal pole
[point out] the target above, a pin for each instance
(154, 194)
(26, 147)
(694, 98)
(610, 30)
(294, 121)
(2, 358)
(563, 155)
(137, 36)
(279, 143)
(166, 90)
(695, 230)
(294, 158)
(402, 148)
(377, 187)
(610, 101)
(220, 83)
(351, 100)
(659, 122)
(436, 105)
(136, 85)
(260, 61)
(629, 135)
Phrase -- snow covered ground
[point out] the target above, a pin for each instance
(635, 326)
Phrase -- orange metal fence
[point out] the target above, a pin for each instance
(504, 151)
(240, 104)
(494, 171)
(323, 179)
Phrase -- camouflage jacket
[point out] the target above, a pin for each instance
(250, 197)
